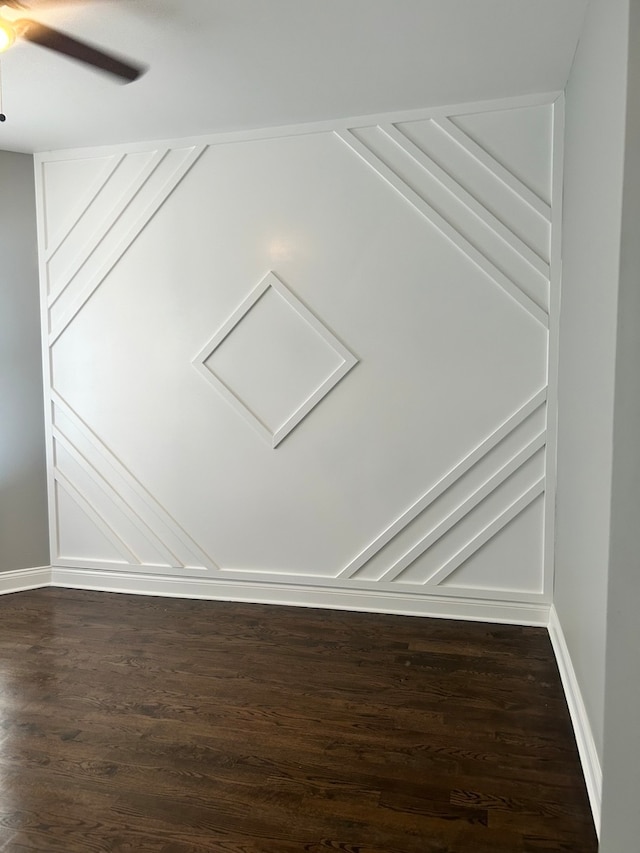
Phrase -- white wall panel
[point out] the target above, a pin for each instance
(317, 355)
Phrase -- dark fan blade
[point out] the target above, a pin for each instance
(79, 50)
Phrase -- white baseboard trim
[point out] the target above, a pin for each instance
(19, 580)
(478, 610)
(581, 726)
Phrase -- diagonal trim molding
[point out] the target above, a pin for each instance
(508, 426)
(422, 159)
(154, 512)
(478, 153)
(82, 205)
(116, 498)
(396, 570)
(107, 531)
(461, 243)
(89, 245)
(488, 532)
(141, 220)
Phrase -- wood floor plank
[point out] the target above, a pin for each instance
(154, 725)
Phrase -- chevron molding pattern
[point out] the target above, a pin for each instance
(422, 240)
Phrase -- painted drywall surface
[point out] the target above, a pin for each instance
(621, 764)
(23, 503)
(234, 64)
(204, 296)
(595, 110)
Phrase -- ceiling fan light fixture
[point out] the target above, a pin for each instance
(7, 35)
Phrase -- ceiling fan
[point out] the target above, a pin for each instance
(65, 44)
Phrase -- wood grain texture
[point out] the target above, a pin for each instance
(177, 726)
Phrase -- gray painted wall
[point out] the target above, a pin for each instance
(594, 147)
(621, 766)
(23, 485)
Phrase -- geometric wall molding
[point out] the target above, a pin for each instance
(105, 507)
(409, 189)
(355, 568)
(283, 331)
(497, 523)
(97, 240)
(449, 127)
(111, 548)
(61, 230)
(71, 266)
(535, 259)
(119, 489)
(485, 535)
(423, 240)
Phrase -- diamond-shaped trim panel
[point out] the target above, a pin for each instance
(346, 360)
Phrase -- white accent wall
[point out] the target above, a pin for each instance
(23, 505)
(314, 360)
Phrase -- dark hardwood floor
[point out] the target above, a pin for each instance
(173, 726)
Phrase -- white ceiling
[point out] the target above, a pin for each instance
(217, 65)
